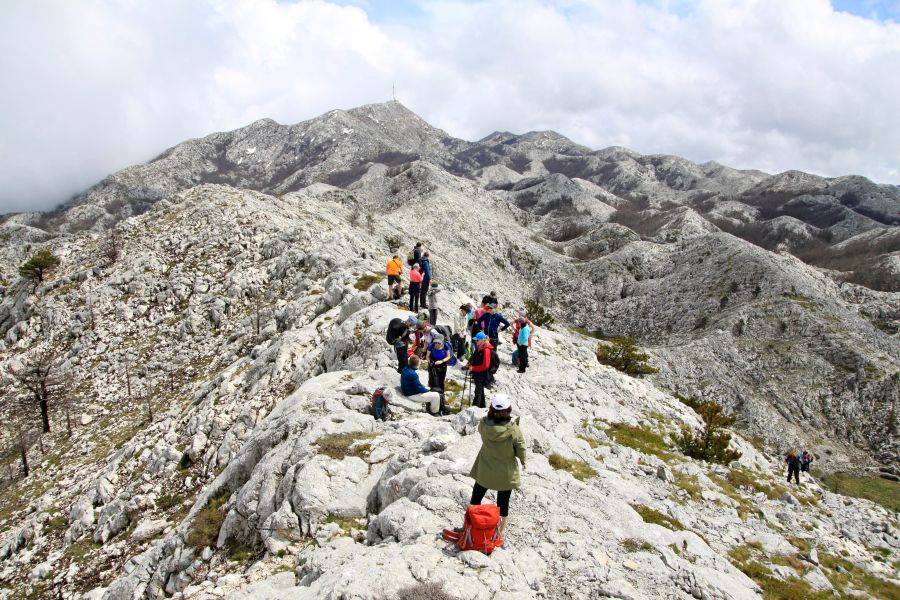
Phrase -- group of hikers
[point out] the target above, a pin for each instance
(796, 463)
(473, 338)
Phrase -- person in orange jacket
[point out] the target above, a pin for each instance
(394, 271)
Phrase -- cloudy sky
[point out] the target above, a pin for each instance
(92, 86)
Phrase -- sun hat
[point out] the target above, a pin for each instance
(500, 402)
(412, 319)
(479, 336)
(438, 338)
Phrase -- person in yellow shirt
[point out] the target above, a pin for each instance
(394, 271)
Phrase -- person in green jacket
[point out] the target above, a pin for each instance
(495, 467)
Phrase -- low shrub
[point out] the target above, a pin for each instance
(622, 353)
(205, 528)
(537, 314)
(650, 515)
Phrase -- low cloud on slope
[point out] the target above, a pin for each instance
(91, 87)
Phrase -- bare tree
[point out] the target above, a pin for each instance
(41, 376)
(113, 246)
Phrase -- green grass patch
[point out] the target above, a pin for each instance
(843, 575)
(650, 515)
(592, 442)
(239, 552)
(633, 545)
(578, 468)
(880, 491)
(451, 385)
(746, 558)
(367, 281)
(80, 549)
(641, 439)
(341, 445)
(205, 528)
(347, 524)
(58, 523)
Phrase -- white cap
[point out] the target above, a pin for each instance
(387, 394)
(500, 402)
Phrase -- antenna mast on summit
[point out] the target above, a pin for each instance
(394, 92)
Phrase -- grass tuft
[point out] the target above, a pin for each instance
(578, 468)
(205, 528)
(367, 281)
(880, 491)
(657, 518)
(341, 445)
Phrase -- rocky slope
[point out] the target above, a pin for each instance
(247, 322)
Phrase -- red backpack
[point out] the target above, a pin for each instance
(479, 529)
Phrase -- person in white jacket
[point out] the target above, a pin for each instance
(461, 329)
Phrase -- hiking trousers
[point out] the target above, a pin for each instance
(414, 296)
(432, 399)
(401, 357)
(795, 471)
(437, 376)
(523, 357)
(479, 491)
(459, 344)
(424, 293)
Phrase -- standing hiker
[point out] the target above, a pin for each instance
(793, 465)
(490, 323)
(805, 460)
(439, 354)
(398, 336)
(432, 303)
(489, 298)
(425, 263)
(460, 327)
(522, 342)
(413, 389)
(415, 287)
(417, 254)
(495, 467)
(394, 271)
(479, 366)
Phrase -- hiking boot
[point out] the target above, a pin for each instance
(444, 411)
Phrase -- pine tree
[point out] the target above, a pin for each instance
(39, 266)
(711, 444)
(623, 354)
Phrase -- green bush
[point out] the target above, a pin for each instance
(650, 515)
(711, 444)
(342, 445)
(537, 314)
(622, 353)
(39, 266)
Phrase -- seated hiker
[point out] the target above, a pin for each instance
(496, 468)
(413, 389)
(439, 354)
(415, 287)
(394, 271)
(398, 336)
(479, 366)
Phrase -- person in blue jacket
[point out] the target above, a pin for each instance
(425, 263)
(412, 388)
(490, 323)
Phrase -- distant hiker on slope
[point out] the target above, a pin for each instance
(415, 287)
(495, 467)
(479, 366)
(413, 389)
(793, 465)
(417, 254)
(425, 263)
(805, 460)
(394, 271)
(398, 336)
(490, 298)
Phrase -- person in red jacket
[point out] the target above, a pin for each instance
(479, 366)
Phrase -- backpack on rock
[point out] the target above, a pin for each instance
(379, 404)
(479, 529)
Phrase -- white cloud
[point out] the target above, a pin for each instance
(93, 86)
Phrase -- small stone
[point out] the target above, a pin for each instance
(630, 565)
(85, 419)
(814, 556)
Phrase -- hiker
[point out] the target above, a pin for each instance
(522, 342)
(805, 460)
(793, 465)
(417, 254)
(432, 302)
(413, 389)
(479, 366)
(490, 323)
(495, 466)
(398, 336)
(490, 298)
(421, 336)
(439, 354)
(415, 287)
(460, 326)
(474, 315)
(425, 263)
(517, 325)
(394, 271)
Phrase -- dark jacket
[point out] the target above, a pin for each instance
(490, 323)
(410, 384)
(397, 332)
(501, 444)
(426, 268)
